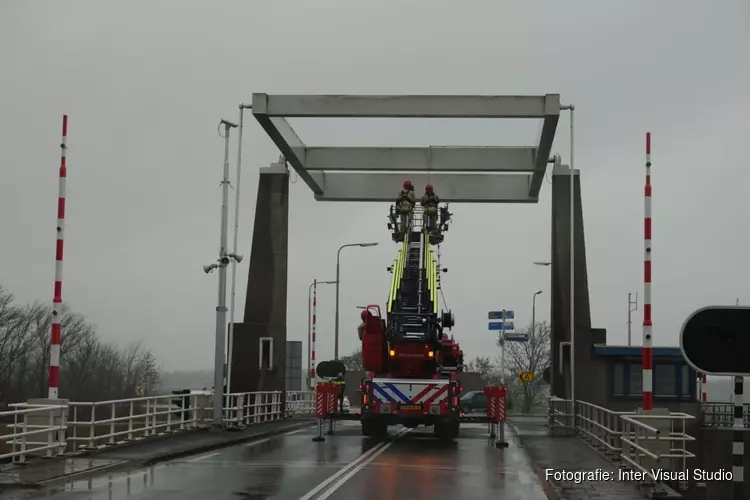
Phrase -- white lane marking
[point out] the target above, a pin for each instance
(254, 443)
(374, 451)
(330, 491)
(342, 471)
(203, 457)
(294, 432)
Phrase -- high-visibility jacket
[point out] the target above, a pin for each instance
(430, 202)
(406, 200)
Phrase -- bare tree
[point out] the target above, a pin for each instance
(89, 371)
(487, 369)
(353, 362)
(141, 371)
(531, 356)
(14, 344)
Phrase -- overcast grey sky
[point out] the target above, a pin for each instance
(145, 84)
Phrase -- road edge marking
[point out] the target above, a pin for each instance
(374, 451)
(203, 457)
(255, 443)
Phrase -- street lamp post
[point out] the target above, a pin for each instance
(551, 371)
(338, 283)
(533, 312)
(309, 324)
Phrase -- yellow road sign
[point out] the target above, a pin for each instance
(526, 377)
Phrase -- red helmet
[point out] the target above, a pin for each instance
(428, 188)
(408, 185)
(364, 315)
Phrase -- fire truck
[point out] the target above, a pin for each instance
(410, 360)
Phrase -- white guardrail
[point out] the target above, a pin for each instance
(53, 430)
(625, 438)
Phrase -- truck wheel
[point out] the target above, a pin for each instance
(446, 430)
(380, 430)
(451, 430)
(366, 428)
(374, 428)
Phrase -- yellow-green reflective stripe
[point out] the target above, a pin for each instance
(398, 273)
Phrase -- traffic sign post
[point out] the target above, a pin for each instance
(503, 326)
(716, 340)
(499, 315)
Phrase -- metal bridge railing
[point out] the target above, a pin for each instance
(632, 440)
(300, 403)
(80, 426)
(721, 414)
(36, 430)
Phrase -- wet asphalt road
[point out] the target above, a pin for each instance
(408, 466)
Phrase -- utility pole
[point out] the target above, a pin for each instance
(221, 263)
(630, 305)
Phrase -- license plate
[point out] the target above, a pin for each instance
(410, 407)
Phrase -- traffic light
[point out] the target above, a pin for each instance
(716, 340)
(330, 369)
(183, 402)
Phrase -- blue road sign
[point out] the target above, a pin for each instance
(516, 337)
(508, 325)
(499, 315)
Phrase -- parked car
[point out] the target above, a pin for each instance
(476, 402)
(473, 402)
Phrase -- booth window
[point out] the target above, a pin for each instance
(266, 353)
(618, 379)
(670, 380)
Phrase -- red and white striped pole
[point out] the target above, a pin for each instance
(57, 302)
(314, 321)
(703, 387)
(647, 324)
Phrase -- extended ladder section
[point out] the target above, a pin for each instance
(413, 299)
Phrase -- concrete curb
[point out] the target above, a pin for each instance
(223, 444)
(551, 490)
(164, 457)
(129, 444)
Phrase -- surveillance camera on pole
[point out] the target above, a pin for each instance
(221, 264)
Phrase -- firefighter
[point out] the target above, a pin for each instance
(405, 205)
(342, 387)
(361, 327)
(430, 203)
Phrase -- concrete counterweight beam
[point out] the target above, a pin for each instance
(464, 188)
(433, 158)
(357, 173)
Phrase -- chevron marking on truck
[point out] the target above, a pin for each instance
(380, 395)
(409, 392)
(436, 396)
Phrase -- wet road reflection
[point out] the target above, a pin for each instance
(346, 466)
